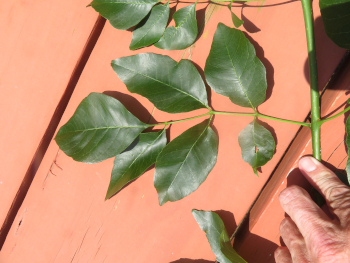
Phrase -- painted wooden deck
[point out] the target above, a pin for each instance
(51, 54)
(43, 48)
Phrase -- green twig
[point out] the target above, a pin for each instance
(187, 119)
(233, 113)
(283, 120)
(211, 113)
(333, 117)
(262, 116)
(315, 98)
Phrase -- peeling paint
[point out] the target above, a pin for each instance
(54, 162)
(20, 221)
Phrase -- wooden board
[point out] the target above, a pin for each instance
(260, 237)
(64, 217)
(41, 44)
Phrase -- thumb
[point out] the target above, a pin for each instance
(336, 193)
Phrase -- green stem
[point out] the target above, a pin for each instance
(333, 117)
(262, 116)
(283, 120)
(187, 119)
(315, 97)
(233, 113)
(211, 113)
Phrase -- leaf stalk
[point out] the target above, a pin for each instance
(283, 120)
(171, 122)
(256, 114)
(211, 113)
(333, 117)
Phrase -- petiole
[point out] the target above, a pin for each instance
(333, 117)
(255, 114)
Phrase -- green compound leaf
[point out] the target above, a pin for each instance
(257, 145)
(184, 164)
(172, 87)
(217, 236)
(347, 125)
(232, 69)
(123, 14)
(184, 33)
(131, 164)
(100, 128)
(235, 20)
(336, 19)
(153, 29)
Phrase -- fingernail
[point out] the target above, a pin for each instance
(307, 164)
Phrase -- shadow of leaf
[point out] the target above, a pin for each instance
(249, 25)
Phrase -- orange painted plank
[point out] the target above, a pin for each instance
(64, 217)
(262, 237)
(41, 43)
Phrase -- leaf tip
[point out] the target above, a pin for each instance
(113, 62)
(255, 171)
(109, 194)
(162, 200)
(132, 47)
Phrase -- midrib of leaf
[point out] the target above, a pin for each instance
(190, 149)
(102, 128)
(151, 26)
(239, 79)
(149, 145)
(256, 154)
(127, 3)
(162, 83)
(178, 26)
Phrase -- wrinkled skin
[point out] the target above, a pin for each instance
(312, 234)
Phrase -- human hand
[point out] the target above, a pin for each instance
(312, 234)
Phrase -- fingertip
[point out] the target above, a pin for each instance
(308, 164)
(290, 193)
(283, 195)
(282, 255)
(284, 222)
(278, 251)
